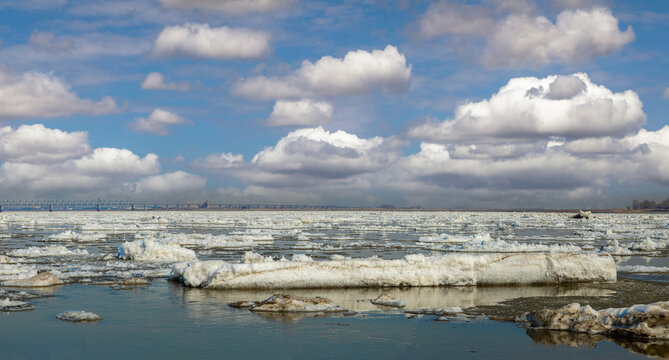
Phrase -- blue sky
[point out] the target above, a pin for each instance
(449, 104)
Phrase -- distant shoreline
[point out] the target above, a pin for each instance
(333, 209)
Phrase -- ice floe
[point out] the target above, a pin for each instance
(388, 300)
(78, 316)
(8, 305)
(641, 269)
(54, 250)
(149, 250)
(283, 303)
(412, 270)
(16, 271)
(638, 321)
(44, 279)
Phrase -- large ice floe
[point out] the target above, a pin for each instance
(150, 250)
(44, 279)
(55, 250)
(639, 321)
(412, 270)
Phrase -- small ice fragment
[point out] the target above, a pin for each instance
(149, 250)
(243, 304)
(387, 300)
(4, 259)
(8, 305)
(78, 316)
(134, 281)
(40, 280)
(289, 303)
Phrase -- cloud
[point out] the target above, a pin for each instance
(232, 7)
(215, 162)
(38, 144)
(38, 95)
(33, 4)
(102, 172)
(202, 41)
(666, 93)
(305, 112)
(529, 108)
(453, 18)
(576, 36)
(359, 72)
(157, 122)
(166, 185)
(156, 81)
(515, 37)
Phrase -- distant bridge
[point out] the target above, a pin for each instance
(131, 205)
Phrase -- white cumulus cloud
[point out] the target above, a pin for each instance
(203, 41)
(38, 95)
(38, 144)
(157, 122)
(576, 36)
(156, 81)
(529, 108)
(358, 72)
(168, 184)
(304, 112)
(221, 161)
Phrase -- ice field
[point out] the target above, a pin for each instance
(477, 262)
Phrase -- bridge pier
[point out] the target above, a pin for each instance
(50, 207)
(2, 208)
(132, 207)
(97, 207)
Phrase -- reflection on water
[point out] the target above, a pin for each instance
(211, 304)
(655, 348)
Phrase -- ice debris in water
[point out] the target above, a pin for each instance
(149, 250)
(8, 305)
(70, 235)
(413, 270)
(55, 250)
(40, 280)
(387, 300)
(488, 244)
(78, 316)
(638, 321)
(584, 215)
(290, 303)
(641, 269)
(451, 310)
(4, 259)
(646, 245)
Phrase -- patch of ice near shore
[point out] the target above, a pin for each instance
(289, 303)
(149, 250)
(447, 238)
(78, 316)
(413, 270)
(11, 303)
(642, 269)
(637, 321)
(54, 250)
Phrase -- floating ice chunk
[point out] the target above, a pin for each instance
(149, 250)
(55, 250)
(488, 244)
(78, 316)
(638, 321)
(40, 280)
(614, 248)
(14, 305)
(645, 245)
(243, 304)
(447, 238)
(387, 300)
(413, 270)
(450, 310)
(4, 259)
(641, 269)
(302, 258)
(289, 303)
(70, 235)
(253, 258)
(16, 271)
(584, 215)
